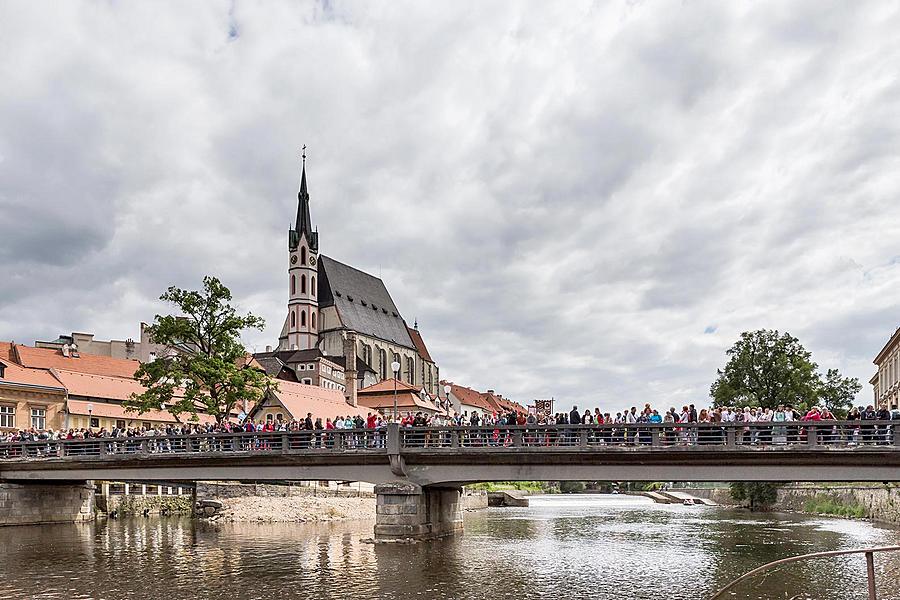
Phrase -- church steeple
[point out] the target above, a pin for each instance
(304, 222)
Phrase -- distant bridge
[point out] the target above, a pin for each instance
(793, 451)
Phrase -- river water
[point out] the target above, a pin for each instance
(572, 546)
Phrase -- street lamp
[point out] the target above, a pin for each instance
(90, 408)
(447, 390)
(395, 367)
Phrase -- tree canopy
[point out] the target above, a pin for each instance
(201, 370)
(766, 368)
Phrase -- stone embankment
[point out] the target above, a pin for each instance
(271, 503)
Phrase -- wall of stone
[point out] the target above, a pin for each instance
(37, 504)
(718, 495)
(473, 499)
(881, 503)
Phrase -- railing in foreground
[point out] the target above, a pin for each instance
(821, 435)
(870, 566)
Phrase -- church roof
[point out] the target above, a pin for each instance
(420, 344)
(362, 301)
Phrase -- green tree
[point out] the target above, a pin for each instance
(201, 370)
(766, 368)
(837, 393)
(755, 494)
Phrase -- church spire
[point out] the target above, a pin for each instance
(304, 222)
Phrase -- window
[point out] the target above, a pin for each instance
(280, 416)
(382, 363)
(410, 369)
(312, 285)
(7, 416)
(95, 422)
(303, 255)
(303, 284)
(307, 381)
(312, 319)
(120, 424)
(270, 417)
(148, 425)
(293, 319)
(302, 318)
(293, 285)
(39, 418)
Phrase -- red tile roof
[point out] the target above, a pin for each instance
(117, 411)
(300, 398)
(387, 385)
(47, 358)
(18, 375)
(419, 343)
(101, 387)
(471, 397)
(381, 396)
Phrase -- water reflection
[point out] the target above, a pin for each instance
(604, 547)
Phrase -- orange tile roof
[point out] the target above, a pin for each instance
(300, 398)
(47, 358)
(13, 373)
(387, 385)
(406, 401)
(419, 343)
(98, 386)
(471, 397)
(117, 411)
(6, 350)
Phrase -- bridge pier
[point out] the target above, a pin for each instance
(406, 510)
(46, 502)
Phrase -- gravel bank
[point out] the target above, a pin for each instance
(295, 509)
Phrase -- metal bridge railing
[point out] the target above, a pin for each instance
(784, 435)
(821, 435)
(870, 567)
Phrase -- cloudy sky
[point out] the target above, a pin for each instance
(585, 200)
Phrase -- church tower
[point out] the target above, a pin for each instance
(303, 253)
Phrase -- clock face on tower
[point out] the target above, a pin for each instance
(294, 259)
(312, 261)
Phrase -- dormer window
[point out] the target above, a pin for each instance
(2, 370)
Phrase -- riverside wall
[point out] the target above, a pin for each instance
(41, 504)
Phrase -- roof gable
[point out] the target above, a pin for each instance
(419, 343)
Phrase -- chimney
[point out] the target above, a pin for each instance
(490, 391)
(268, 348)
(65, 350)
(350, 367)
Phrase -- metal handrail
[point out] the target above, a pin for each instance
(870, 566)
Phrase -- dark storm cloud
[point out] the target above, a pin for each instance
(581, 200)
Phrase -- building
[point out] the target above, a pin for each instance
(886, 381)
(466, 400)
(347, 316)
(29, 398)
(84, 343)
(303, 366)
(410, 399)
(293, 401)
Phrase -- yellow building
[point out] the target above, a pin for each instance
(29, 398)
(886, 382)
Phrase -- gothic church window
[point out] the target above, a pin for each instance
(302, 318)
(303, 255)
(410, 369)
(382, 363)
(293, 319)
(312, 319)
(293, 285)
(303, 284)
(312, 286)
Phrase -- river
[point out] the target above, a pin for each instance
(567, 546)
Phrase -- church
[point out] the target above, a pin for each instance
(342, 328)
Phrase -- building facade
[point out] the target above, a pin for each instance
(142, 350)
(886, 382)
(348, 317)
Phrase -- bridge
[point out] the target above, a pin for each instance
(418, 472)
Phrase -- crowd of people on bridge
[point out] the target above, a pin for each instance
(780, 420)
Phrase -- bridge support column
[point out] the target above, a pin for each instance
(409, 511)
(42, 503)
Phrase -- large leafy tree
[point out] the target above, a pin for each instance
(201, 370)
(767, 368)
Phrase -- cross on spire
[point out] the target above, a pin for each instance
(304, 154)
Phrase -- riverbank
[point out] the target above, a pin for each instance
(270, 503)
(876, 503)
